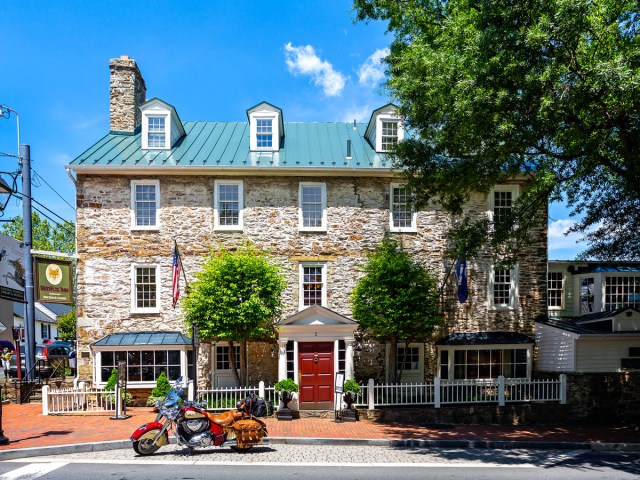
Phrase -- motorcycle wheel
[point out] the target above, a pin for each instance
(239, 449)
(144, 445)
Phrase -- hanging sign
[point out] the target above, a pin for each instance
(11, 269)
(53, 281)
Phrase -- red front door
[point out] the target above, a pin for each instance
(316, 372)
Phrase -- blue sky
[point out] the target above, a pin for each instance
(210, 59)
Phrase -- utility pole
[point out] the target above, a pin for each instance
(27, 239)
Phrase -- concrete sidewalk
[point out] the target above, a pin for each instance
(30, 433)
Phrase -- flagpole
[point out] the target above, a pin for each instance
(193, 327)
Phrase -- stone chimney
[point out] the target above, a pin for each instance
(128, 92)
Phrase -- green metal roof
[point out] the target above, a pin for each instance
(226, 144)
(143, 338)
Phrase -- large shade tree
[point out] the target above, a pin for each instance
(397, 300)
(548, 90)
(235, 298)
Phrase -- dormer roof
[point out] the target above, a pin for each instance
(267, 107)
(371, 126)
(174, 113)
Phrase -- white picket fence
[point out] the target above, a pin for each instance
(77, 400)
(437, 393)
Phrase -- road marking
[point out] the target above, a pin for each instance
(32, 471)
(477, 464)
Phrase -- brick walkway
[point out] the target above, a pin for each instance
(25, 426)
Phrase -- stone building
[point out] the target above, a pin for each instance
(318, 196)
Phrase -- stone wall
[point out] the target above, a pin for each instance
(358, 217)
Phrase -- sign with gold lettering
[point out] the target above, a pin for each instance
(53, 281)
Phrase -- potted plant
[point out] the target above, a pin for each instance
(286, 388)
(350, 389)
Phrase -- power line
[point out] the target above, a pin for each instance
(59, 224)
(64, 227)
(39, 177)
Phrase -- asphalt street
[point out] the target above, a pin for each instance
(329, 462)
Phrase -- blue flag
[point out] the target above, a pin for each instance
(461, 274)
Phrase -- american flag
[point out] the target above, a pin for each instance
(177, 266)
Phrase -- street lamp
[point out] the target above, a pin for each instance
(5, 194)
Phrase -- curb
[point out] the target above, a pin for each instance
(485, 444)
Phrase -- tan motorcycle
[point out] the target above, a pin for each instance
(194, 427)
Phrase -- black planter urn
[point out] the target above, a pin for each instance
(285, 413)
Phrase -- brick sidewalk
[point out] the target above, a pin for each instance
(26, 427)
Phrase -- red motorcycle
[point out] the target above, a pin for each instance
(194, 427)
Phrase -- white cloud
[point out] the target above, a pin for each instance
(372, 70)
(360, 114)
(562, 246)
(304, 61)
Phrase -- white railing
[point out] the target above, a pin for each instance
(458, 392)
(77, 400)
(225, 398)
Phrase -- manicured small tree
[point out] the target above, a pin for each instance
(235, 298)
(397, 300)
(162, 386)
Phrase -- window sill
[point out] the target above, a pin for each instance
(146, 311)
(313, 229)
(502, 308)
(154, 228)
(403, 230)
(235, 228)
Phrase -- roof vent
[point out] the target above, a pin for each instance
(348, 149)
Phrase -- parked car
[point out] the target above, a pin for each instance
(48, 357)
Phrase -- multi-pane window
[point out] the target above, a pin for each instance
(142, 365)
(45, 330)
(312, 285)
(554, 289)
(145, 201)
(501, 287)
(312, 206)
(621, 292)
(291, 370)
(587, 295)
(264, 133)
(408, 359)
(145, 287)
(402, 215)
(228, 204)
(502, 205)
(222, 357)
(490, 363)
(156, 132)
(389, 135)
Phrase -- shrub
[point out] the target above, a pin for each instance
(286, 385)
(351, 386)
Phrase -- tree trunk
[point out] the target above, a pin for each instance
(393, 359)
(232, 363)
(243, 362)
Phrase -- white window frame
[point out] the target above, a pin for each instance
(184, 361)
(451, 355)
(414, 215)
(216, 207)
(562, 289)
(134, 303)
(388, 118)
(323, 187)
(134, 205)
(513, 290)
(515, 192)
(410, 375)
(253, 131)
(323, 267)
(156, 113)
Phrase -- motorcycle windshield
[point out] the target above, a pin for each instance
(171, 398)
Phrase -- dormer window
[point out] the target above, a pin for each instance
(389, 136)
(264, 133)
(266, 128)
(156, 133)
(161, 126)
(385, 128)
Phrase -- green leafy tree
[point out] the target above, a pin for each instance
(397, 299)
(67, 326)
(236, 297)
(546, 90)
(46, 236)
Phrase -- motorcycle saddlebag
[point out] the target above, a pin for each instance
(248, 432)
